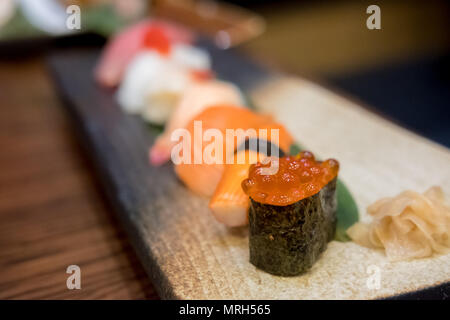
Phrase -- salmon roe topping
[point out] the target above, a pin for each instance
(298, 177)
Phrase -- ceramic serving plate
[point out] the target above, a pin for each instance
(188, 255)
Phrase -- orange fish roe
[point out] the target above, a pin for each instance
(156, 39)
(298, 177)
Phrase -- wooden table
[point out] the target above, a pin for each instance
(53, 212)
(52, 209)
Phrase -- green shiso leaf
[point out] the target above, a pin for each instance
(19, 27)
(102, 20)
(347, 210)
(294, 149)
(155, 129)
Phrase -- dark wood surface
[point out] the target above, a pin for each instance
(53, 212)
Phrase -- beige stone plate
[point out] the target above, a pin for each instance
(188, 255)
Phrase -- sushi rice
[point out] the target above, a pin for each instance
(153, 83)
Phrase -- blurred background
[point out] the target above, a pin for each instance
(51, 210)
(401, 70)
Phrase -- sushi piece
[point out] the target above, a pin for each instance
(292, 213)
(48, 16)
(155, 80)
(140, 85)
(197, 97)
(203, 178)
(229, 204)
(123, 47)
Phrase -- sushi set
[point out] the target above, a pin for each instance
(215, 166)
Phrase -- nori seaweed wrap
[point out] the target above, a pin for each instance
(288, 236)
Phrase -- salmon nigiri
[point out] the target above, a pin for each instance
(203, 178)
(194, 100)
(121, 49)
(229, 204)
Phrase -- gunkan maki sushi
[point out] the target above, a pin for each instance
(292, 213)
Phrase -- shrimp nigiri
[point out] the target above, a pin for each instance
(203, 178)
(194, 100)
(122, 48)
